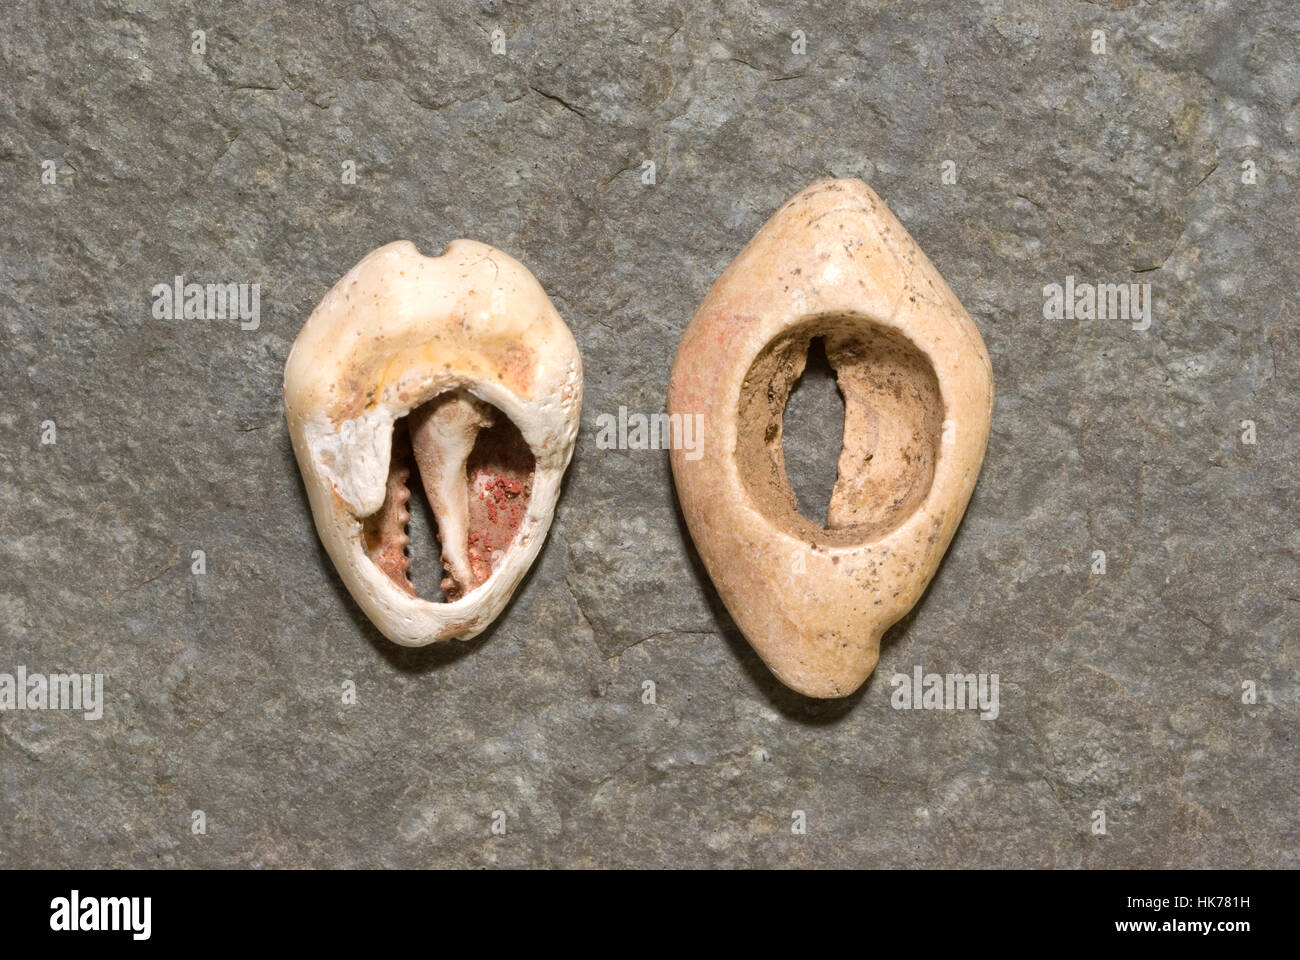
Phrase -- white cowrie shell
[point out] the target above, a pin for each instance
(833, 262)
(469, 346)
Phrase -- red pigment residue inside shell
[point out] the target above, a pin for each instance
(500, 474)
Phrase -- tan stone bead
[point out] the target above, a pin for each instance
(835, 263)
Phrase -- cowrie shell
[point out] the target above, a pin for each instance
(456, 367)
(835, 263)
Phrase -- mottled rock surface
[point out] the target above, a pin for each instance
(1121, 691)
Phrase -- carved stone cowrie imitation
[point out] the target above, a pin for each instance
(459, 366)
(834, 263)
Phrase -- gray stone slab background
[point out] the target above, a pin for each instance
(1120, 692)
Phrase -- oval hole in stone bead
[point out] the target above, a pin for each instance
(893, 423)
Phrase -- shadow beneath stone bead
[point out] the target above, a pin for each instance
(810, 711)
